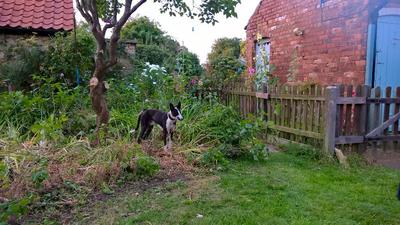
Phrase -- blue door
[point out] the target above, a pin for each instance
(263, 52)
(387, 61)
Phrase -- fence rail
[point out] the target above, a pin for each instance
(348, 116)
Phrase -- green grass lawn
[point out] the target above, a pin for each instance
(283, 190)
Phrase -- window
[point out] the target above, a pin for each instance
(263, 52)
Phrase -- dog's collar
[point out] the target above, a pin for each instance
(170, 117)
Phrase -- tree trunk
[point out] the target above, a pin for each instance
(97, 96)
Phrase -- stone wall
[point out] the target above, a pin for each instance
(8, 40)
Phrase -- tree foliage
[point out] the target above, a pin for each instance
(115, 13)
(65, 53)
(188, 64)
(156, 47)
(23, 61)
(153, 45)
(224, 60)
(144, 31)
(29, 57)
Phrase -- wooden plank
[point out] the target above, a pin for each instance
(294, 97)
(292, 111)
(349, 140)
(397, 110)
(264, 104)
(299, 132)
(386, 110)
(269, 109)
(332, 94)
(375, 117)
(318, 114)
(312, 109)
(262, 95)
(273, 107)
(385, 138)
(280, 106)
(382, 100)
(356, 118)
(340, 115)
(384, 126)
(352, 100)
(286, 114)
(243, 92)
(303, 110)
(296, 108)
(243, 97)
(348, 112)
(357, 112)
(365, 92)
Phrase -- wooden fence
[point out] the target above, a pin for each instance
(345, 116)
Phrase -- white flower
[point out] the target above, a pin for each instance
(154, 82)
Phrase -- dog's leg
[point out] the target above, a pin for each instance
(141, 135)
(165, 139)
(169, 144)
(148, 131)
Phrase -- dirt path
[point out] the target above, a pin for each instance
(389, 157)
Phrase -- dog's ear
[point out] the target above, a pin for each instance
(179, 105)
(171, 106)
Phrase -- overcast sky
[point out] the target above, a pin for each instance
(201, 39)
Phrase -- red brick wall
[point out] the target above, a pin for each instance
(333, 47)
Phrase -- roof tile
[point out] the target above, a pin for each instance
(38, 14)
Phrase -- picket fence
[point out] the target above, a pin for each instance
(343, 116)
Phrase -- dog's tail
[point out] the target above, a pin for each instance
(138, 122)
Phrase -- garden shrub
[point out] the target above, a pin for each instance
(214, 157)
(146, 166)
(215, 124)
(258, 151)
(23, 61)
(65, 54)
(10, 211)
(49, 129)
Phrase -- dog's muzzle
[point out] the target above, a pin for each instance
(180, 118)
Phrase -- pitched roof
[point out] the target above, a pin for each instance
(37, 14)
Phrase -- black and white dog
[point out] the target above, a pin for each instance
(166, 120)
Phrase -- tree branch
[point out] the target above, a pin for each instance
(85, 15)
(93, 9)
(128, 11)
(113, 21)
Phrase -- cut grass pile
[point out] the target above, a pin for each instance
(283, 190)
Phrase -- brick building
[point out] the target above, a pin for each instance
(328, 41)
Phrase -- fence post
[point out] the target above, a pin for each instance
(332, 95)
(365, 92)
